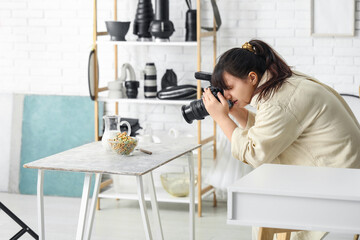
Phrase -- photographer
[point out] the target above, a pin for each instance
(299, 121)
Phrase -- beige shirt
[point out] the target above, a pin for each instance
(304, 123)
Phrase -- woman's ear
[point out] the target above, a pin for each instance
(253, 77)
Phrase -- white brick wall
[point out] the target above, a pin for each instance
(44, 46)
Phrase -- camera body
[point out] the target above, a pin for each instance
(196, 109)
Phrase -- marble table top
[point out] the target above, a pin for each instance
(94, 158)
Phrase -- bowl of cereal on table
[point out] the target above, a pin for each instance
(123, 144)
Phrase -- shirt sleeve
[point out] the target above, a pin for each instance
(266, 135)
(251, 120)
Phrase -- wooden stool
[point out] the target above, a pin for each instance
(281, 234)
(268, 233)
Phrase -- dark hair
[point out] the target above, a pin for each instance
(239, 62)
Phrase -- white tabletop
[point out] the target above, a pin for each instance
(93, 158)
(301, 181)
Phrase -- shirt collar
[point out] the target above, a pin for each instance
(266, 76)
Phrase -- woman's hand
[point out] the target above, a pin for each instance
(217, 110)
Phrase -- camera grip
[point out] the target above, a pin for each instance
(203, 76)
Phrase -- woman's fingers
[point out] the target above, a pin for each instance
(208, 95)
(222, 99)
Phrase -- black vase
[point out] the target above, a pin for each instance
(143, 17)
(161, 27)
(131, 88)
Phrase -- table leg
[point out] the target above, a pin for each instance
(140, 190)
(83, 207)
(154, 206)
(191, 196)
(40, 204)
(93, 205)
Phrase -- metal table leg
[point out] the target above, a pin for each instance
(40, 204)
(154, 206)
(83, 207)
(93, 205)
(191, 196)
(144, 215)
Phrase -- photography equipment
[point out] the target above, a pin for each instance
(188, 3)
(150, 85)
(91, 74)
(181, 92)
(117, 30)
(161, 27)
(117, 87)
(216, 16)
(131, 88)
(24, 228)
(190, 25)
(134, 123)
(196, 109)
(143, 17)
(169, 79)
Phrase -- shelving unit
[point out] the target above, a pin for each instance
(144, 101)
(135, 43)
(200, 191)
(161, 196)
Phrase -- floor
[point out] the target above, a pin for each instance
(116, 220)
(121, 220)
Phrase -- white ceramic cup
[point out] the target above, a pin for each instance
(145, 138)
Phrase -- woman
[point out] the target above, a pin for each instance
(299, 121)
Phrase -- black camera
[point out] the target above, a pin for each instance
(196, 109)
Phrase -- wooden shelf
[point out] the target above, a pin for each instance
(153, 43)
(161, 195)
(145, 101)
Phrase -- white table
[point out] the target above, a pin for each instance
(93, 159)
(297, 197)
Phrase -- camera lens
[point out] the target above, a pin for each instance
(187, 113)
(195, 110)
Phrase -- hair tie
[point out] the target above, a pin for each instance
(248, 47)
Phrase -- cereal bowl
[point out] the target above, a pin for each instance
(123, 144)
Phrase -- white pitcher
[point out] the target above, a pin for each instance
(112, 127)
